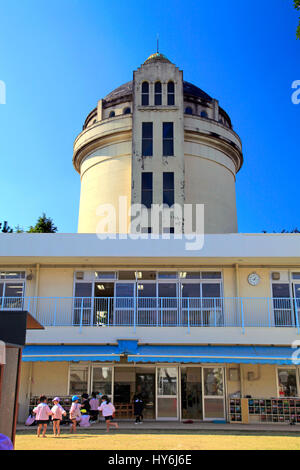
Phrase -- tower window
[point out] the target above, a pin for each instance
(157, 94)
(171, 93)
(188, 110)
(112, 114)
(168, 188)
(127, 111)
(145, 94)
(204, 114)
(168, 139)
(147, 139)
(147, 189)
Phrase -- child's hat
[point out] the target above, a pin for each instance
(75, 397)
(56, 399)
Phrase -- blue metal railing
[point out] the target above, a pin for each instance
(187, 312)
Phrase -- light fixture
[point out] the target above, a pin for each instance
(100, 286)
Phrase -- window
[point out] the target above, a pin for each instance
(82, 312)
(204, 114)
(287, 382)
(147, 189)
(145, 94)
(168, 139)
(11, 289)
(171, 93)
(282, 304)
(112, 114)
(78, 379)
(168, 189)
(147, 139)
(188, 110)
(157, 94)
(127, 111)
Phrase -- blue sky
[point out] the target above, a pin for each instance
(58, 58)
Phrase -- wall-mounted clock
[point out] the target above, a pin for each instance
(253, 279)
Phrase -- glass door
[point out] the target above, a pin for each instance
(213, 393)
(167, 393)
(145, 386)
(124, 303)
(282, 304)
(297, 300)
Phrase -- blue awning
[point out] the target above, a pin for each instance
(160, 354)
(214, 354)
(61, 353)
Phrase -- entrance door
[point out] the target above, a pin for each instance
(213, 393)
(167, 393)
(191, 393)
(145, 386)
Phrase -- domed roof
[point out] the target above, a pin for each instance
(157, 56)
(126, 90)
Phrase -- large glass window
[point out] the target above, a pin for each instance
(147, 139)
(79, 376)
(11, 289)
(145, 94)
(168, 139)
(82, 313)
(157, 94)
(168, 188)
(171, 94)
(102, 380)
(282, 304)
(147, 189)
(287, 382)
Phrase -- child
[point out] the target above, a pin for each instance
(138, 408)
(75, 414)
(57, 414)
(94, 405)
(108, 410)
(42, 412)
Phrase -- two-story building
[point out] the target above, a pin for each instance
(193, 331)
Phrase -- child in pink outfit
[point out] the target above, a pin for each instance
(75, 413)
(57, 413)
(42, 413)
(108, 411)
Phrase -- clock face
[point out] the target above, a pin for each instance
(253, 279)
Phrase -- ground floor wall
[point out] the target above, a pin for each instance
(171, 391)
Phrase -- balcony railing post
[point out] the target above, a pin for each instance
(161, 312)
(269, 312)
(188, 312)
(296, 314)
(55, 307)
(81, 315)
(134, 314)
(108, 311)
(215, 309)
(242, 316)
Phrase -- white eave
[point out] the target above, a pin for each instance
(281, 249)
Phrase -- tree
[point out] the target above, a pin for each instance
(297, 6)
(44, 225)
(5, 228)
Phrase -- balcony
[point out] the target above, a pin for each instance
(135, 312)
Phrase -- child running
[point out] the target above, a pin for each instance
(108, 410)
(42, 413)
(57, 414)
(75, 414)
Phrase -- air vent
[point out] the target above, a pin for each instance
(276, 276)
(79, 275)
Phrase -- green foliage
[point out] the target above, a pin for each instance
(44, 225)
(5, 228)
(297, 6)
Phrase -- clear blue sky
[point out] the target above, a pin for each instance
(58, 58)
